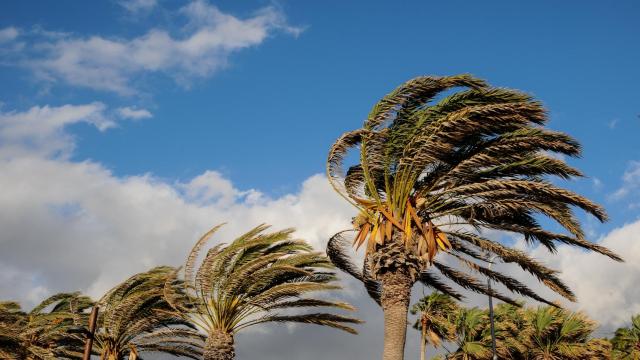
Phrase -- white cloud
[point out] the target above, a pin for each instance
(630, 185)
(137, 6)
(39, 130)
(607, 290)
(113, 64)
(133, 113)
(8, 34)
(74, 225)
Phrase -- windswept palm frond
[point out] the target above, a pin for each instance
(626, 342)
(257, 278)
(54, 329)
(135, 318)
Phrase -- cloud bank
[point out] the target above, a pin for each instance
(113, 64)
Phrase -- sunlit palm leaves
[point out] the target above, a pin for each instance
(257, 278)
(626, 342)
(54, 329)
(558, 334)
(135, 318)
(441, 159)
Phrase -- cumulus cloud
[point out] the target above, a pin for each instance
(8, 34)
(113, 64)
(137, 6)
(39, 130)
(133, 113)
(630, 185)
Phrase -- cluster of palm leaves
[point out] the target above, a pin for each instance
(259, 277)
(52, 330)
(536, 333)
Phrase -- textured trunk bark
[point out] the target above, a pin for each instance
(423, 348)
(219, 346)
(396, 293)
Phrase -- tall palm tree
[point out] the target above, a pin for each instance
(434, 323)
(54, 329)
(135, 318)
(558, 334)
(626, 342)
(436, 166)
(257, 278)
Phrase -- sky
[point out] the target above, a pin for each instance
(129, 127)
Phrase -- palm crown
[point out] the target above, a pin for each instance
(54, 329)
(257, 278)
(135, 318)
(431, 175)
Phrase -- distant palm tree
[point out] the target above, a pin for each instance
(437, 166)
(135, 318)
(257, 278)
(626, 342)
(434, 323)
(54, 329)
(558, 334)
(472, 338)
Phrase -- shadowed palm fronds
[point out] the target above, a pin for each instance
(257, 278)
(435, 320)
(54, 329)
(435, 170)
(135, 318)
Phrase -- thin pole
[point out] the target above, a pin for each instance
(92, 330)
(493, 330)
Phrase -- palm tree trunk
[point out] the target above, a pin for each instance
(396, 293)
(423, 347)
(219, 346)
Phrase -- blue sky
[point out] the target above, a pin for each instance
(210, 103)
(267, 119)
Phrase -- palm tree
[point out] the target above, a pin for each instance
(434, 323)
(471, 327)
(135, 318)
(558, 334)
(257, 278)
(435, 168)
(54, 329)
(626, 342)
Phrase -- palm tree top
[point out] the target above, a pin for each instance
(256, 278)
(442, 159)
(135, 318)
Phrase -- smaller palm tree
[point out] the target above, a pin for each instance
(435, 321)
(558, 334)
(135, 318)
(54, 329)
(257, 278)
(626, 342)
(471, 335)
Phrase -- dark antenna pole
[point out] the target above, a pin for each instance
(493, 330)
(92, 329)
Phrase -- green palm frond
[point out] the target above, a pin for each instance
(53, 329)
(259, 277)
(135, 318)
(626, 342)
